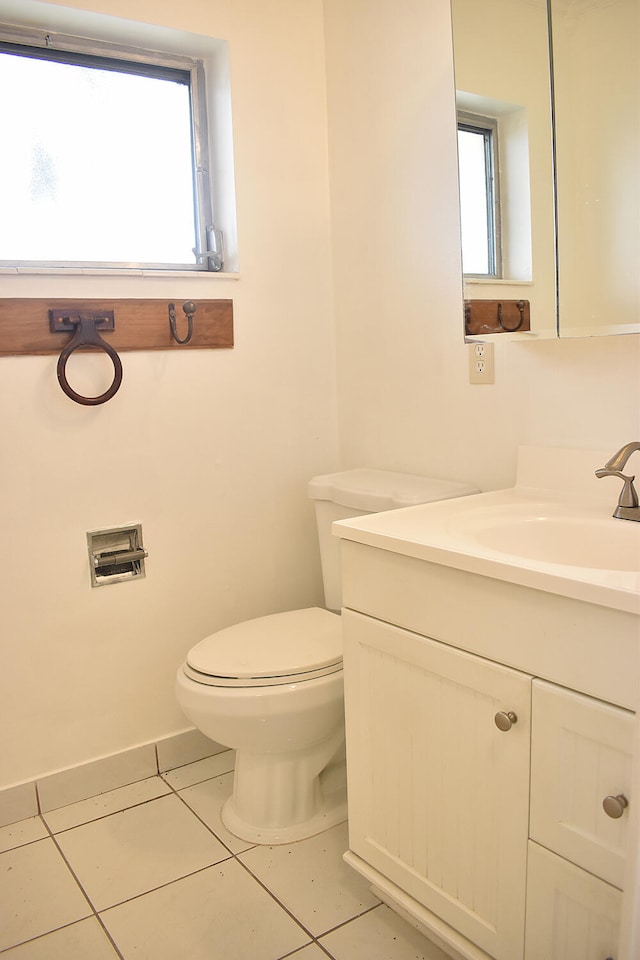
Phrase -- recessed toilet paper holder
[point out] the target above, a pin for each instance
(115, 555)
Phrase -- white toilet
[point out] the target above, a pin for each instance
(271, 688)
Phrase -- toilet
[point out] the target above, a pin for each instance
(272, 688)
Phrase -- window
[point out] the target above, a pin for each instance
(105, 158)
(479, 195)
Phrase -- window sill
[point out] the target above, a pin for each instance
(115, 272)
(498, 281)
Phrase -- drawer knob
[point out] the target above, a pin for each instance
(505, 720)
(615, 806)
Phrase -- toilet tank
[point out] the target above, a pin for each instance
(352, 493)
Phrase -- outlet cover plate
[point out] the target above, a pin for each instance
(481, 367)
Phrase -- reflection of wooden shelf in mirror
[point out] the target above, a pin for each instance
(496, 316)
(139, 324)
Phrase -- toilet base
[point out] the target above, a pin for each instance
(320, 804)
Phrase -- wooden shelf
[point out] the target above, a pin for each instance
(496, 316)
(139, 324)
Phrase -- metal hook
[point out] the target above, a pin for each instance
(86, 335)
(520, 304)
(189, 308)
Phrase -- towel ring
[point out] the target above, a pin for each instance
(87, 336)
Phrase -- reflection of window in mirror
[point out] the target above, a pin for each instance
(495, 189)
(479, 195)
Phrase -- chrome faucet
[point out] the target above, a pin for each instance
(628, 507)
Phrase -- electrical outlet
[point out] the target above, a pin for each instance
(481, 368)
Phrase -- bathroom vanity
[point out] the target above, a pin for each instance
(491, 651)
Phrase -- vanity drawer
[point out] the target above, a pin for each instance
(570, 913)
(581, 752)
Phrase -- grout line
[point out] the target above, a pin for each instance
(93, 796)
(195, 783)
(322, 947)
(314, 937)
(29, 843)
(83, 891)
(273, 897)
(231, 856)
(236, 857)
(161, 886)
(345, 923)
(291, 956)
(199, 818)
(104, 816)
(109, 937)
(64, 926)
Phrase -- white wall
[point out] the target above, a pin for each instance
(403, 392)
(209, 450)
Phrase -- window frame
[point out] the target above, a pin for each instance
(146, 62)
(487, 127)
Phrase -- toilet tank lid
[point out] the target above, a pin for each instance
(377, 490)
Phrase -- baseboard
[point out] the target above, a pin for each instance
(101, 774)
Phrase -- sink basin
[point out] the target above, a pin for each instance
(537, 534)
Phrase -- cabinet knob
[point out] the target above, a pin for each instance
(615, 806)
(505, 720)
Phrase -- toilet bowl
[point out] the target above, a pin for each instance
(272, 688)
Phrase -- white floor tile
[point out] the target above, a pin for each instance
(24, 831)
(217, 914)
(311, 879)
(207, 799)
(106, 803)
(201, 770)
(85, 940)
(380, 935)
(171, 891)
(37, 893)
(129, 853)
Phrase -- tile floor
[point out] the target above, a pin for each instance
(148, 872)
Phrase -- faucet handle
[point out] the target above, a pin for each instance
(628, 505)
(628, 482)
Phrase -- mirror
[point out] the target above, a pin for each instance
(597, 109)
(576, 219)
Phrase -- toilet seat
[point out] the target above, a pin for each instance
(282, 648)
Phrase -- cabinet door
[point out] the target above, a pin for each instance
(438, 795)
(571, 915)
(581, 752)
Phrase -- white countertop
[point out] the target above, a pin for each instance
(552, 531)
